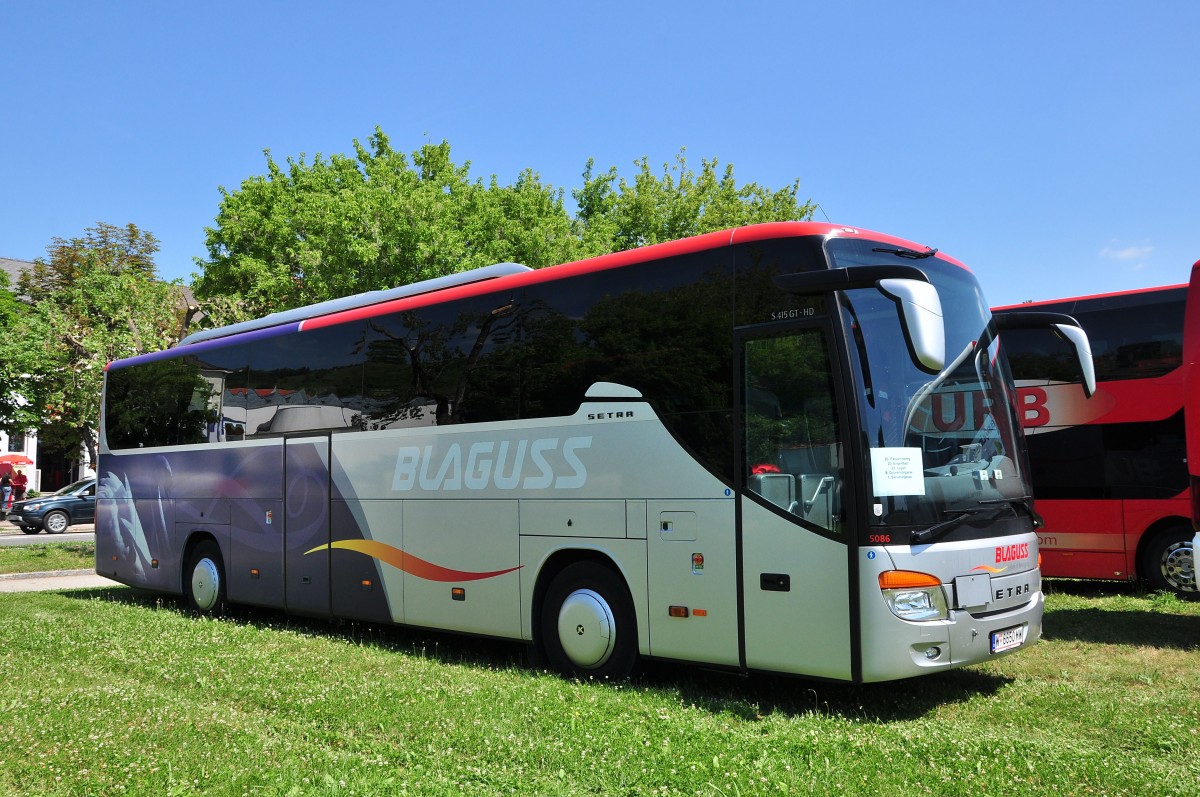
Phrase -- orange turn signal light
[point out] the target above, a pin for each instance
(907, 579)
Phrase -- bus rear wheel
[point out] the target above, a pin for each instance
(205, 574)
(1169, 563)
(588, 626)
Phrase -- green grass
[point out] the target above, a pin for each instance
(45, 557)
(115, 692)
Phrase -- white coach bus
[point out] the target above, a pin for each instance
(745, 450)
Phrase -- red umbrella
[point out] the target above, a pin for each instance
(15, 459)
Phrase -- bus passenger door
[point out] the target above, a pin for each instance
(795, 567)
(306, 524)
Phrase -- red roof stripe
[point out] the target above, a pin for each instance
(1027, 305)
(699, 243)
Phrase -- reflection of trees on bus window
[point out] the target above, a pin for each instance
(793, 452)
(226, 369)
(664, 330)
(165, 402)
(441, 365)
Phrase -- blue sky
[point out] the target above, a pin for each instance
(1053, 147)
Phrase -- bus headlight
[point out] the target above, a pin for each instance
(914, 596)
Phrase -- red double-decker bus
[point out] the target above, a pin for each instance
(1111, 473)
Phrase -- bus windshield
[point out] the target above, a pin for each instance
(941, 447)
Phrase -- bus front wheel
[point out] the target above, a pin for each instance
(588, 626)
(1169, 563)
(205, 574)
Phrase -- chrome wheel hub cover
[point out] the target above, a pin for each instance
(1179, 566)
(206, 584)
(586, 629)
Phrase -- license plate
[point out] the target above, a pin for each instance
(1008, 638)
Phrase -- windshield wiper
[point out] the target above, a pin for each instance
(910, 254)
(1023, 501)
(938, 529)
(989, 509)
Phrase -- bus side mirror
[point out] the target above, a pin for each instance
(1066, 328)
(918, 302)
(921, 318)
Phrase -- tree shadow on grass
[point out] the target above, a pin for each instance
(439, 646)
(751, 698)
(1107, 627)
(1142, 627)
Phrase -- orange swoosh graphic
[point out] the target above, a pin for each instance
(989, 568)
(410, 564)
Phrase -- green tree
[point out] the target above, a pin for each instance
(330, 228)
(10, 308)
(310, 231)
(15, 415)
(615, 214)
(94, 299)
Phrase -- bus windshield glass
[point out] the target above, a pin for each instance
(941, 447)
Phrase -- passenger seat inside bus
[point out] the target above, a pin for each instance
(814, 468)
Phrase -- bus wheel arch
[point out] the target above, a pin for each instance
(203, 576)
(1165, 559)
(585, 624)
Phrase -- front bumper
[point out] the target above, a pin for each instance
(26, 521)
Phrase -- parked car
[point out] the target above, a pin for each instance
(75, 503)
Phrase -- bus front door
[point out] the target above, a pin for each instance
(795, 567)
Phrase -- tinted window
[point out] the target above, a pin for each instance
(1133, 336)
(305, 381)
(451, 363)
(159, 403)
(226, 369)
(758, 300)
(1116, 460)
(1040, 354)
(663, 328)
